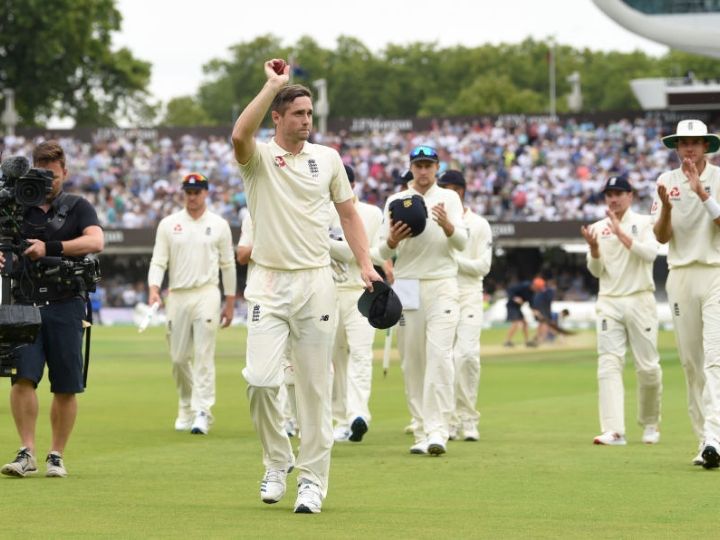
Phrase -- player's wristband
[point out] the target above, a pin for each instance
(53, 248)
(712, 208)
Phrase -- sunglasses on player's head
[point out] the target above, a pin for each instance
(423, 151)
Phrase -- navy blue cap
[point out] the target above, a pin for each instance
(382, 307)
(411, 211)
(424, 153)
(618, 183)
(451, 177)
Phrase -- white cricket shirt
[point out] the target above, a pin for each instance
(192, 251)
(624, 271)
(429, 255)
(288, 197)
(475, 260)
(695, 237)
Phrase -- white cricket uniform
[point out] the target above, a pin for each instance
(291, 297)
(353, 351)
(473, 265)
(626, 312)
(192, 251)
(693, 288)
(426, 281)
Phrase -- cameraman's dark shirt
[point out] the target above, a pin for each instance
(82, 215)
(34, 225)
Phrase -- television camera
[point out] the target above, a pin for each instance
(22, 187)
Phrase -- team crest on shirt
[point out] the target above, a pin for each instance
(177, 228)
(707, 190)
(674, 193)
(208, 231)
(314, 169)
(280, 162)
(605, 232)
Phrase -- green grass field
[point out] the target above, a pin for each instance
(534, 474)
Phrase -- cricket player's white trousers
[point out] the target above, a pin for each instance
(466, 356)
(694, 295)
(352, 360)
(295, 308)
(622, 319)
(426, 337)
(193, 317)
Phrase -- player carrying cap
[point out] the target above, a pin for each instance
(289, 182)
(687, 215)
(194, 245)
(622, 251)
(426, 282)
(473, 264)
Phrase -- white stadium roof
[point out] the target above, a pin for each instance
(687, 25)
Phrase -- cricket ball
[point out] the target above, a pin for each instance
(279, 66)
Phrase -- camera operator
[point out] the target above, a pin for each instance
(65, 226)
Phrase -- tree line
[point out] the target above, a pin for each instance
(424, 79)
(58, 58)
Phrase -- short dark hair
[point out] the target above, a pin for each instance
(287, 95)
(47, 152)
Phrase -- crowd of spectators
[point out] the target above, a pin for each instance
(516, 169)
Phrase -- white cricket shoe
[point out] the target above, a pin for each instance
(420, 447)
(201, 424)
(55, 466)
(309, 498)
(651, 435)
(470, 432)
(436, 445)
(453, 433)
(698, 459)
(183, 424)
(273, 485)
(184, 419)
(23, 464)
(610, 438)
(341, 433)
(411, 427)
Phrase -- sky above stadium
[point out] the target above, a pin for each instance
(180, 36)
